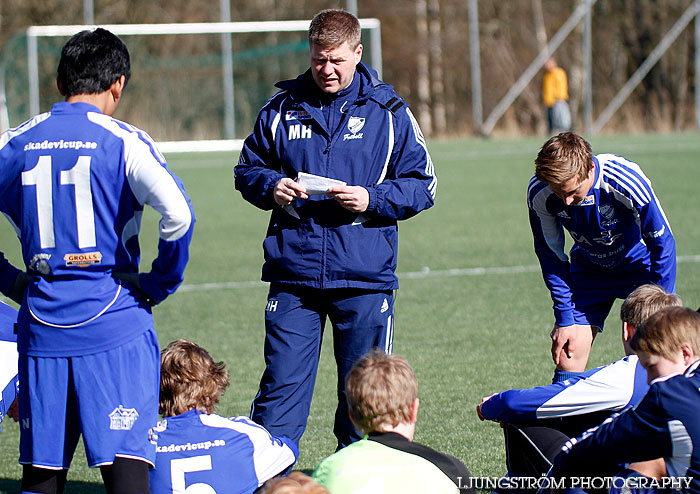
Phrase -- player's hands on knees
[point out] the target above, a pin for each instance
(287, 190)
(351, 197)
(571, 346)
(563, 342)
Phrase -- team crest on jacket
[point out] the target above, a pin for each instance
(355, 125)
(607, 216)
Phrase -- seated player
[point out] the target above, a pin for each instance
(538, 421)
(294, 483)
(198, 450)
(8, 362)
(382, 393)
(665, 422)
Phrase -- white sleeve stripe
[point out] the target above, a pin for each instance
(145, 138)
(636, 194)
(610, 388)
(638, 179)
(390, 147)
(150, 182)
(17, 131)
(641, 183)
(682, 449)
(8, 364)
(551, 231)
(534, 182)
(276, 120)
(270, 456)
(429, 167)
(629, 176)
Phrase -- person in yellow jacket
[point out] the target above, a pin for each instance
(555, 94)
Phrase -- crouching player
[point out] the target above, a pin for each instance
(382, 393)
(199, 451)
(665, 423)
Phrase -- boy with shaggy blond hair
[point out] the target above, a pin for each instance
(197, 447)
(382, 394)
(665, 423)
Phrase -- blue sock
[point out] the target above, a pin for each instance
(560, 375)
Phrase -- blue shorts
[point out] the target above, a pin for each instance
(593, 294)
(110, 397)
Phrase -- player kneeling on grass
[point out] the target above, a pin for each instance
(382, 393)
(198, 450)
(664, 424)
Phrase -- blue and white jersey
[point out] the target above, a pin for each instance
(620, 226)
(611, 387)
(664, 424)
(198, 452)
(73, 183)
(364, 136)
(8, 358)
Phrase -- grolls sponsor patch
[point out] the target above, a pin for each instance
(83, 260)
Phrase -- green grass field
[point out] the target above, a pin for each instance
(472, 315)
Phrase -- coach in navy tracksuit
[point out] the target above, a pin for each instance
(622, 240)
(330, 255)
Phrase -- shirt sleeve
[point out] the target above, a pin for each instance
(258, 170)
(610, 387)
(657, 235)
(153, 184)
(549, 240)
(635, 435)
(410, 182)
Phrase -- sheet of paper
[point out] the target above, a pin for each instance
(315, 184)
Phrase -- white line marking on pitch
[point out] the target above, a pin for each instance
(424, 273)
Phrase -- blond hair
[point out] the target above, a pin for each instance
(294, 483)
(380, 389)
(667, 331)
(563, 157)
(189, 378)
(644, 301)
(331, 28)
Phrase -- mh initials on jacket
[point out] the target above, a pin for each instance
(299, 132)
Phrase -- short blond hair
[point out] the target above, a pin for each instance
(667, 331)
(644, 301)
(294, 483)
(189, 378)
(331, 28)
(563, 157)
(380, 389)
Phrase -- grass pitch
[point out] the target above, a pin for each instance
(472, 314)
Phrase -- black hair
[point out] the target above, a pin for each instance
(91, 61)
